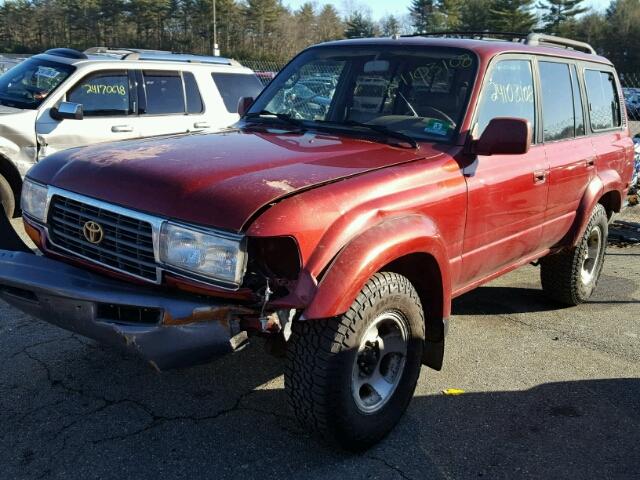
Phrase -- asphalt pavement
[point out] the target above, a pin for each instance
(550, 393)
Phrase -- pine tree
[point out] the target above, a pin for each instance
(358, 25)
(513, 16)
(306, 25)
(261, 16)
(476, 15)
(389, 26)
(450, 13)
(558, 12)
(425, 15)
(330, 27)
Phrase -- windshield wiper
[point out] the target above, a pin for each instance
(280, 116)
(381, 129)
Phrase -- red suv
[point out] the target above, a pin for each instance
(371, 182)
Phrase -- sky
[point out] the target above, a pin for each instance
(380, 8)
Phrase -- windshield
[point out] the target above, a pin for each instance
(419, 92)
(27, 84)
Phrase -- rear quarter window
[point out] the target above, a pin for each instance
(604, 103)
(164, 92)
(233, 86)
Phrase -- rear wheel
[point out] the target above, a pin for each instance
(7, 197)
(571, 277)
(351, 378)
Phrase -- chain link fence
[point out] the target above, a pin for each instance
(631, 89)
(265, 70)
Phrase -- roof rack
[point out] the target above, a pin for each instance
(553, 41)
(479, 35)
(133, 54)
(532, 39)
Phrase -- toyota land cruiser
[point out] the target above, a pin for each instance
(371, 182)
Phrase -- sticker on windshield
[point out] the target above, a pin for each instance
(47, 72)
(441, 128)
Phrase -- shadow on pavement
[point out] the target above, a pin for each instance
(78, 410)
(496, 300)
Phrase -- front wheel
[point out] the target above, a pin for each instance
(351, 378)
(571, 277)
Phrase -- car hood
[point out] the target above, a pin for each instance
(219, 180)
(6, 110)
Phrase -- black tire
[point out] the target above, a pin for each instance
(7, 197)
(562, 274)
(321, 361)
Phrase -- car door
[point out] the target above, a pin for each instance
(570, 153)
(507, 194)
(170, 103)
(109, 113)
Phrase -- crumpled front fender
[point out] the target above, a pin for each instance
(368, 253)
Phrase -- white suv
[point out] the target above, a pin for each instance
(66, 98)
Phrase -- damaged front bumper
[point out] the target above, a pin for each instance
(167, 329)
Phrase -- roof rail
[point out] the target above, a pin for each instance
(121, 52)
(553, 41)
(532, 39)
(479, 35)
(141, 54)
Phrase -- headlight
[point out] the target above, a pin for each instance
(206, 254)
(34, 200)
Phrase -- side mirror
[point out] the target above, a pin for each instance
(504, 136)
(67, 111)
(244, 104)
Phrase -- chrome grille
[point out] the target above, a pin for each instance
(127, 244)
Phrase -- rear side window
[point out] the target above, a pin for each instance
(604, 104)
(557, 101)
(508, 92)
(577, 102)
(102, 94)
(164, 92)
(194, 100)
(232, 86)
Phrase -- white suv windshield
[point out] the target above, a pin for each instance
(418, 92)
(27, 84)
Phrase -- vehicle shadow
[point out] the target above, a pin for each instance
(79, 408)
(501, 299)
(497, 300)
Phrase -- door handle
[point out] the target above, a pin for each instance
(122, 129)
(539, 176)
(201, 125)
(590, 161)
